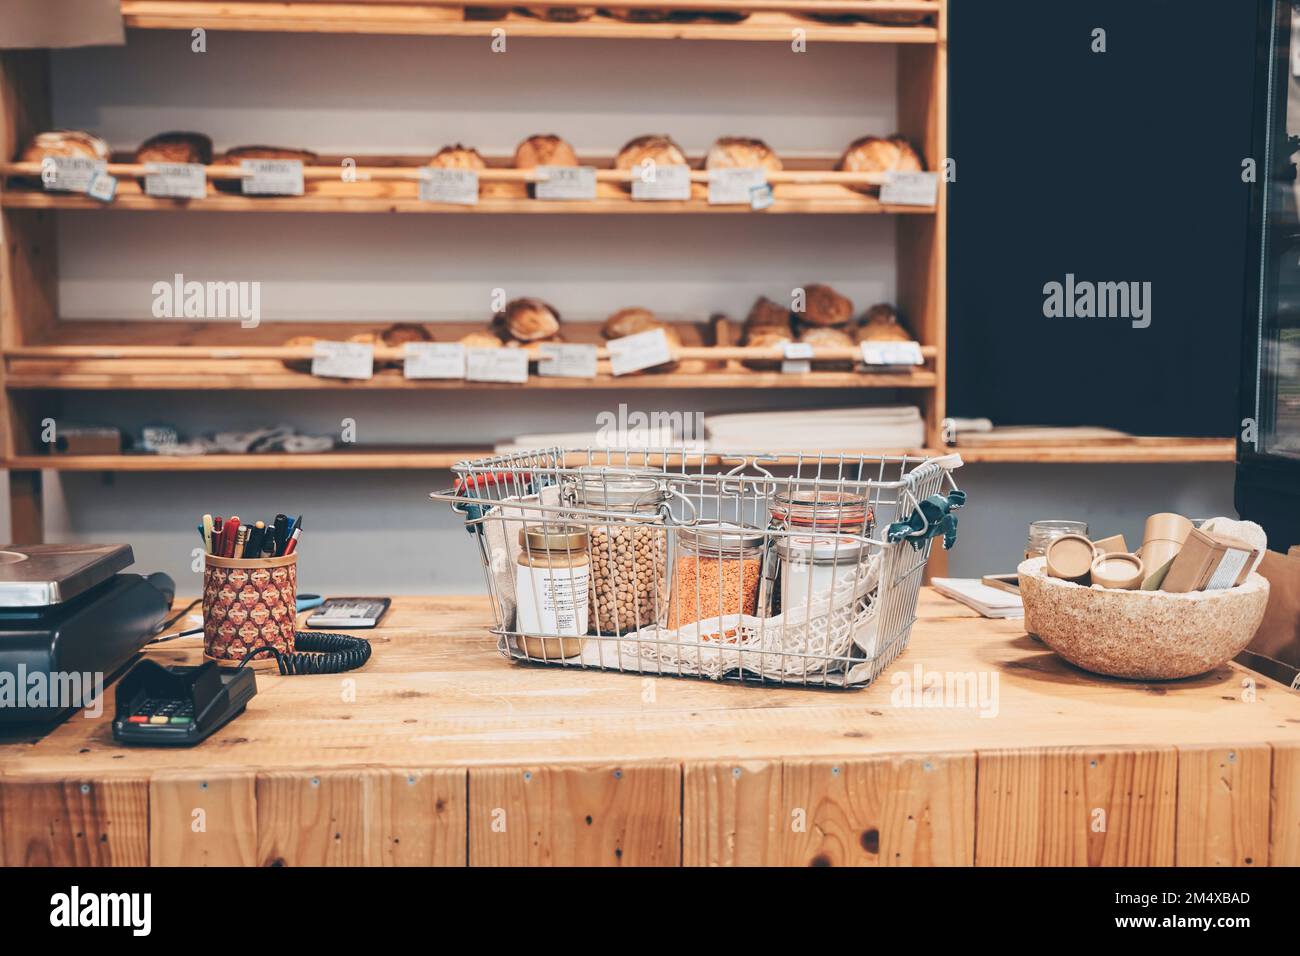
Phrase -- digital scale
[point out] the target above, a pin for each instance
(70, 616)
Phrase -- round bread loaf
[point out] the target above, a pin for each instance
(766, 337)
(483, 339)
(562, 14)
(528, 320)
(175, 148)
(880, 324)
(823, 306)
(657, 149)
(400, 333)
(231, 157)
(627, 322)
(544, 150)
(65, 143)
(457, 156)
(732, 152)
(765, 313)
(825, 336)
(871, 154)
(639, 15)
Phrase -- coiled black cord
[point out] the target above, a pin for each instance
(329, 653)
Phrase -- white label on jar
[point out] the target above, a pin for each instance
(735, 186)
(343, 360)
(553, 601)
(456, 186)
(892, 353)
(1225, 575)
(656, 182)
(72, 174)
(565, 182)
(175, 180)
(433, 360)
(272, 177)
(633, 353)
(910, 189)
(496, 365)
(567, 361)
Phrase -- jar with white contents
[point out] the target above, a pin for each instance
(552, 584)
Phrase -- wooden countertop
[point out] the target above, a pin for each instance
(436, 702)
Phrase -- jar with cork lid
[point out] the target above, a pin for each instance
(552, 585)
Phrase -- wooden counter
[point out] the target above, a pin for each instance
(441, 752)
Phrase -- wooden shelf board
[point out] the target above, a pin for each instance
(359, 459)
(397, 197)
(410, 19)
(1137, 450)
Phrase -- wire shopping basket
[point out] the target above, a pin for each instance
(799, 569)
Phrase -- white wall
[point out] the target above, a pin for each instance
(376, 532)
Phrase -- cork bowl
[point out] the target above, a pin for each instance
(1141, 635)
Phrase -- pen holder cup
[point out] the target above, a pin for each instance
(249, 603)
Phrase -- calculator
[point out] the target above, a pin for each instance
(179, 706)
(346, 612)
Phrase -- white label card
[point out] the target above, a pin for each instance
(456, 186)
(343, 360)
(175, 180)
(496, 365)
(796, 367)
(735, 186)
(272, 177)
(103, 187)
(567, 361)
(892, 353)
(910, 189)
(70, 174)
(798, 350)
(657, 183)
(433, 360)
(566, 182)
(636, 352)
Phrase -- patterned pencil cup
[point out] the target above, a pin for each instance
(249, 603)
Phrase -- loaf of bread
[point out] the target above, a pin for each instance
(766, 314)
(627, 322)
(871, 154)
(827, 337)
(527, 320)
(299, 365)
(730, 152)
(562, 14)
(544, 150)
(457, 156)
(660, 150)
(880, 324)
(484, 339)
(64, 143)
(400, 333)
(232, 157)
(639, 15)
(486, 13)
(823, 306)
(175, 148)
(767, 337)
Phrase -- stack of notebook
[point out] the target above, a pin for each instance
(990, 602)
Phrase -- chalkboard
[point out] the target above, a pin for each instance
(1122, 166)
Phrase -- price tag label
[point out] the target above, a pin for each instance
(657, 183)
(70, 174)
(798, 357)
(734, 186)
(272, 177)
(892, 353)
(103, 187)
(636, 352)
(433, 360)
(910, 189)
(760, 197)
(496, 365)
(343, 360)
(456, 186)
(175, 180)
(566, 182)
(567, 361)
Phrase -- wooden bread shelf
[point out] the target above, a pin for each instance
(1135, 450)
(772, 21)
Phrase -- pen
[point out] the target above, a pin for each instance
(241, 539)
(281, 533)
(206, 528)
(218, 542)
(293, 538)
(253, 548)
(228, 534)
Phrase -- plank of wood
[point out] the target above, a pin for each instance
(203, 819)
(893, 811)
(732, 814)
(575, 816)
(362, 817)
(74, 822)
(1076, 807)
(1223, 805)
(1284, 823)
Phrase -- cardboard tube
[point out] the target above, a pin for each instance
(1163, 538)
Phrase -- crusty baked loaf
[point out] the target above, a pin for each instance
(232, 157)
(871, 154)
(826, 336)
(562, 14)
(639, 15)
(823, 306)
(457, 156)
(880, 324)
(299, 365)
(627, 322)
(544, 150)
(527, 320)
(400, 333)
(765, 313)
(486, 13)
(64, 142)
(770, 336)
(175, 147)
(484, 339)
(661, 150)
(728, 152)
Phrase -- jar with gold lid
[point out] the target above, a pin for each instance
(552, 584)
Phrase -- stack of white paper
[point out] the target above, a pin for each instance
(990, 602)
(885, 428)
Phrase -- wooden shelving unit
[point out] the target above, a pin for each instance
(43, 356)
